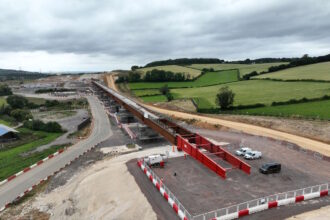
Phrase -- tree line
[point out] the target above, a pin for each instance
(18, 109)
(154, 75)
(7, 74)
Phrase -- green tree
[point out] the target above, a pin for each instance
(16, 101)
(225, 98)
(5, 90)
(21, 114)
(164, 89)
(169, 97)
(133, 68)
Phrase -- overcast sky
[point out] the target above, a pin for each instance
(72, 35)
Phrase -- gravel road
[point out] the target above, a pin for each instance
(101, 131)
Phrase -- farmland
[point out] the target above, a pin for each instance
(243, 68)
(258, 91)
(314, 110)
(319, 71)
(175, 69)
(12, 159)
(154, 98)
(209, 78)
(146, 92)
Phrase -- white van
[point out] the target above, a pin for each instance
(253, 155)
(242, 151)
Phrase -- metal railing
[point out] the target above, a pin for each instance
(169, 193)
(260, 201)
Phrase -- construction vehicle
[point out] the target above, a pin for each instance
(156, 160)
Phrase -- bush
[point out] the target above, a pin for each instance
(20, 114)
(53, 127)
(295, 101)
(225, 98)
(51, 103)
(248, 76)
(5, 109)
(164, 89)
(169, 97)
(39, 125)
(5, 90)
(17, 101)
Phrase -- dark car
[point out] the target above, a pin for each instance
(268, 168)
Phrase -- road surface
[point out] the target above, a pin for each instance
(303, 142)
(101, 131)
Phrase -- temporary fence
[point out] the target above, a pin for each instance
(256, 205)
(167, 194)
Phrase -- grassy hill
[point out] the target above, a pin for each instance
(314, 110)
(207, 79)
(261, 89)
(243, 68)
(318, 71)
(258, 91)
(173, 68)
(8, 74)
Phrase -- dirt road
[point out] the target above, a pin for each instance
(306, 143)
(104, 190)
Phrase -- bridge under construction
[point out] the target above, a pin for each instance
(192, 143)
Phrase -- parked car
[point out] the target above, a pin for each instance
(253, 155)
(242, 151)
(268, 168)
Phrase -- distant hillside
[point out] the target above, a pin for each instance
(7, 74)
(317, 72)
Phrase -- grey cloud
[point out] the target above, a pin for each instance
(142, 31)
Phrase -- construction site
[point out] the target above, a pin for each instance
(203, 174)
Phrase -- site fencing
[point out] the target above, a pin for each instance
(169, 193)
(261, 201)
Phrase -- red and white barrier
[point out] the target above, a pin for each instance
(118, 122)
(175, 207)
(128, 131)
(272, 204)
(41, 181)
(31, 167)
(124, 126)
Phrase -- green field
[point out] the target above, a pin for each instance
(314, 110)
(258, 91)
(12, 159)
(154, 98)
(209, 78)
(318, 71)
(2, 101)
(243, 68)
(173, 68)
(146, 92)
(202, 102)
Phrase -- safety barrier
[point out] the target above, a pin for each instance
(265, 203)
(165, 192)
(46, 178)
(32, 166)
